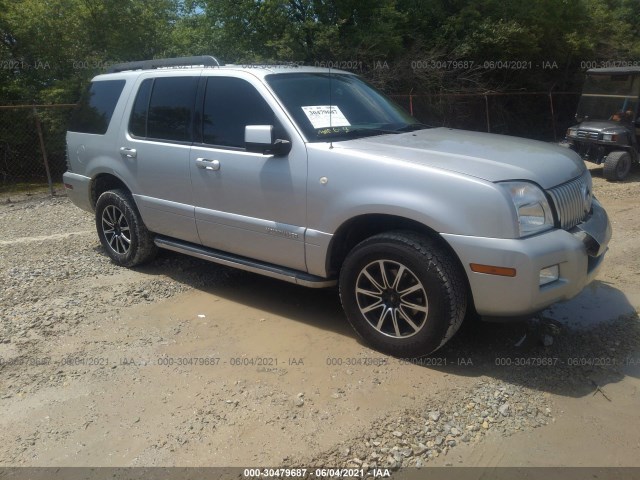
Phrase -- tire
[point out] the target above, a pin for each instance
(419, 272)
(121, 230)
(617, 166)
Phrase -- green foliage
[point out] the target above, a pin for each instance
(50, 48)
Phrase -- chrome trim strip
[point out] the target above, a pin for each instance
(252, 224)
(144, 201)
(242, 263)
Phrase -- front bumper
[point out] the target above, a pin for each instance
(578, 254)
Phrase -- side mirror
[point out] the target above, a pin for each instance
(260, 139)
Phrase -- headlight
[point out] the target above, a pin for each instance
(610, 137)
(533, 210)
(572, 132)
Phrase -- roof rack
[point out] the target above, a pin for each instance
(206, 60)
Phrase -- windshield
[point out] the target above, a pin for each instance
(338, 106)
(609, 97)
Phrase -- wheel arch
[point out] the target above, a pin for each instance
(361, 227)
(104, 182)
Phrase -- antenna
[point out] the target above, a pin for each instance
(330, 108)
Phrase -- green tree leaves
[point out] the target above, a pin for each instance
(49, 49)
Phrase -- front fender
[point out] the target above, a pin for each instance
(444, 201)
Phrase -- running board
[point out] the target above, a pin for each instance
(243, 263)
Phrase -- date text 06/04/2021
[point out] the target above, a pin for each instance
(315, 472)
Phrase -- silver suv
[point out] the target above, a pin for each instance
(312, 176)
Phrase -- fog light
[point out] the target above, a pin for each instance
(549, 274)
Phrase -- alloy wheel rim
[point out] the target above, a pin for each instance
(392, 299)
(116, 230)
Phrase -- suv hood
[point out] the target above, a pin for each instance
(606, 126)
(482, 155)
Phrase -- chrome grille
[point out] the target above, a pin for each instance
(587, 135)
(572, 200)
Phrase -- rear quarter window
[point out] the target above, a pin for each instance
(96, 106)
(163, 109)
(171, 108)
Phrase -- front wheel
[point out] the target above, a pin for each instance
(121, 230)
(403, 293)
(617, 166)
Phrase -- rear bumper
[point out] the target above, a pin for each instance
(78, 188)
(578, 254)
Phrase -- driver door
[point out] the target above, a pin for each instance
(246, 203)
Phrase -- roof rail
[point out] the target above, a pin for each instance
(206, 60)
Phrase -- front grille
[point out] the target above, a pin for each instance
(572, 200)
(586, 134)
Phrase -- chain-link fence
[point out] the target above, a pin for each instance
(32, 138)
(537, 115)
(32, 145)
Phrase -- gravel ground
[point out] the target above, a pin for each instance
(521, 403)
(413, 438)
(59, 289)
(50, 255)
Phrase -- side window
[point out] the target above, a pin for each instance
(94, 111)
(138, 120)
(230, 104)
(171, 108)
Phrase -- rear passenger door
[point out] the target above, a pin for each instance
(247, 203)
(155, 148)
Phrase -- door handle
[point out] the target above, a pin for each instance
(128, 152)
(207, 164)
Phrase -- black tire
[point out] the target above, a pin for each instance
(121, 230)
(617, 166)
(429, 279)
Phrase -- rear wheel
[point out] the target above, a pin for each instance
(121, 230)
(403, 293)
(617, 166)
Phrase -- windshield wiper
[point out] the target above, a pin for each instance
(358, 132)
(364, 132)
(413, 126)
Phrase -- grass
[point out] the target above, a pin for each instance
(10, 192)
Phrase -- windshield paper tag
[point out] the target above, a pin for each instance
(323, 116)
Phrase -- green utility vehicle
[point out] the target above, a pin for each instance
(608, 122)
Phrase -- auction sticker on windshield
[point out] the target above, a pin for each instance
(322, 116)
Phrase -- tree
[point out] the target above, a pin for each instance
(55, 46)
